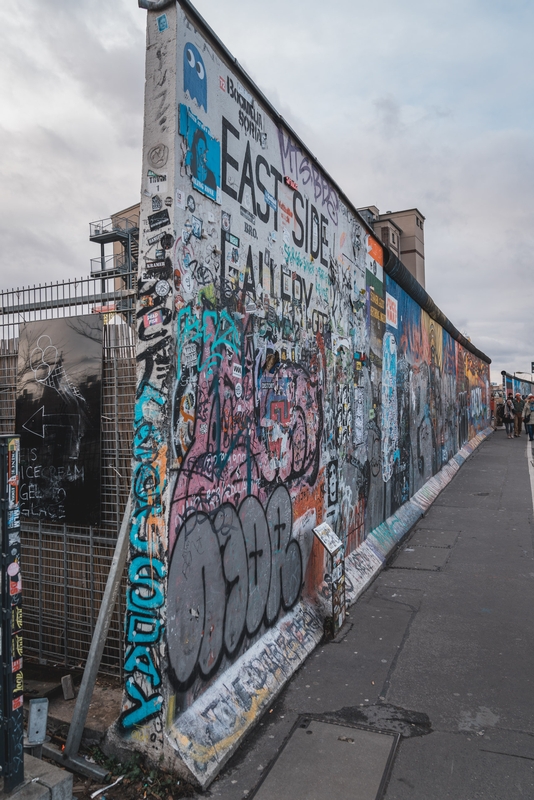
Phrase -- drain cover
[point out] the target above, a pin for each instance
(321, 760)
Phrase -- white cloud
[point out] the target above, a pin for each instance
(406, 104)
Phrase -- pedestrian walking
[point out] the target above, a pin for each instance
(528, 416)
(519, 404)
(509, 416)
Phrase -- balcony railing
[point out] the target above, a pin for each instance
(115, 263)
(113, 224)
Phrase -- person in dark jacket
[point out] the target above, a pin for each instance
(528, 416)
(509, 415)
(518, 411)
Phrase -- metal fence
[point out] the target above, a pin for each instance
(65, 567)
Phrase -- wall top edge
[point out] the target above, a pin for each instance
(155, 5)
(516, 377)
(392, 266)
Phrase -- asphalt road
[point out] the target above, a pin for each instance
(440, 649)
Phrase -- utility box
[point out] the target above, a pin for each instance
(336, 572)
(12, 731)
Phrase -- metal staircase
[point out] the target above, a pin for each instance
(115, 230)
(117, 270)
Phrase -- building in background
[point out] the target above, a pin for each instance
(118, 237)
(403, 233)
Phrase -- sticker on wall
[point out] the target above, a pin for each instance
(238, 390)
(391, 310)
(162, 288)
(195, 81)
(180, 198)
(232, 255)
(270, 200)
(233, 240)
(162, 22)
(191, 205)
(158, 266)
(189, 355)
(167, 241)
(226, 220)
(157, 205)
(197, 227)
(153, 318)
(248, 215)
(159, 220)
(156, 183)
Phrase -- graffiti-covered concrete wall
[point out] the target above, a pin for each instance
(511, 383)
(285, 379)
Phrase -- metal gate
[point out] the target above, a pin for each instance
(65, 567)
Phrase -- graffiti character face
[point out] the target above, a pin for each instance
(195, 76)
(201, 158)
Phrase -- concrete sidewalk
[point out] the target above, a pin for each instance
(440, 648)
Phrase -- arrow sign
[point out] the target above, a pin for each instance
(38, 421)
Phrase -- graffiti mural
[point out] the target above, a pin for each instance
(285, 380)
(59, 385)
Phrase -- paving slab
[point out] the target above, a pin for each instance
(426, 537)
(446, 766)
(324, 759)
(413, 557)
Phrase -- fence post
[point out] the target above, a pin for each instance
(11, 751)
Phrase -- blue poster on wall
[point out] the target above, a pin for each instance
(203, 153)
(59, 385)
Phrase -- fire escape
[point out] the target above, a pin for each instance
(120, 265)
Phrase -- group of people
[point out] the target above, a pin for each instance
(517, 411)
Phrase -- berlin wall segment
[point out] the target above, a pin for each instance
(284, 379)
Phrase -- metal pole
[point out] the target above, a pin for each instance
(65, 598)
(41, 598)
(11, 751)
(91, 577)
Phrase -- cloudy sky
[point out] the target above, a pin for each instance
(405, 104)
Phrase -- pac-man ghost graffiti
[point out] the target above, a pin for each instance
(195, 76)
